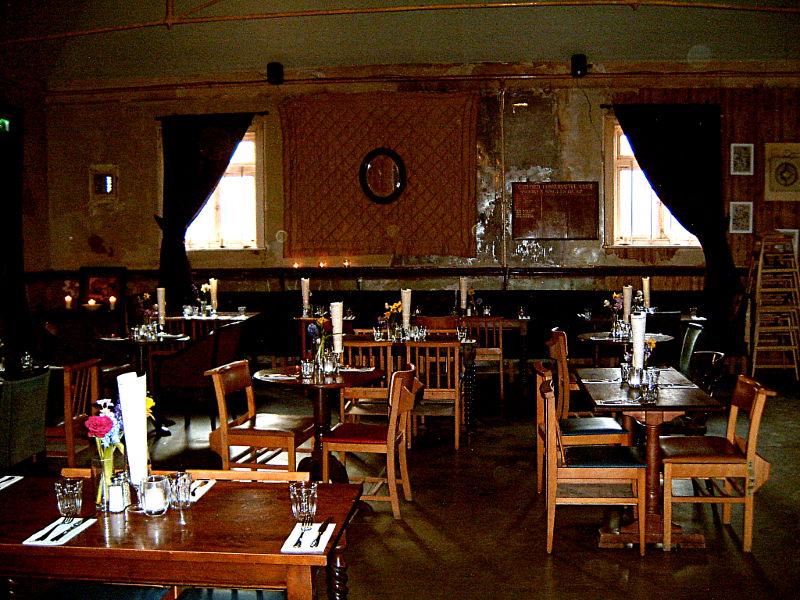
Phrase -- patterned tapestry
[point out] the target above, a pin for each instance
(325, 139)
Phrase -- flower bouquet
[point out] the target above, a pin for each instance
(321, 333)
(106, 429)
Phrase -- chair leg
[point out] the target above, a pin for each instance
(641, 505)
(502, 375)
(667, 508)
(749, 509)
(539, 465)
(726, 507)
(551, 513)
(291, 462)
(391, 482)
(404, 470)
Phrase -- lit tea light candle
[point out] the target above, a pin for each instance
(154, 499)
(296, 265)
(68, 301)
(346, 262)
(92, 302)
(112, 302)
(323, 264)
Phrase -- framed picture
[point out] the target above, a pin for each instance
(795, 235)
(741, 159)
(741, 217)
(100, 283)
(782, 172)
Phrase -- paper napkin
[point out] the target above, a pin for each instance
(308, 537)
(199, 488)
(71, 533)
(356, 369)
(280, 376)
(10, 480)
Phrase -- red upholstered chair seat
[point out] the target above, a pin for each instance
(357, 433)
(270, 422)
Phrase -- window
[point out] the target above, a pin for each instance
(638, 218)
(229, 218)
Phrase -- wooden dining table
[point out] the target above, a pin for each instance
(230, 538)
(321, 386)
(676, 396)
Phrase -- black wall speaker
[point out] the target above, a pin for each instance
(578, 66)
(275, 73)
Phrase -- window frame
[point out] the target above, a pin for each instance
(612, 165)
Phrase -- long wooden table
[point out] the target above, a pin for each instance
(676, 396)
(230, 538)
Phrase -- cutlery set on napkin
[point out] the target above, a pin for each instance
(9, 480)
(200, 487)
(356, 369)
(609, 380)
(311, 540)
(60, 531)
(279, 376)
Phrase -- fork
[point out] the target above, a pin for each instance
(49, 530)
(306, 525)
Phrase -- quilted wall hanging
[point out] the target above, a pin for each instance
(325, 139)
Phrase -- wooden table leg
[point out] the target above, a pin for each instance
(313, 464)
(299, 583)
(337, 573)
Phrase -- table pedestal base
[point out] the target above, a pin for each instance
(629, 534)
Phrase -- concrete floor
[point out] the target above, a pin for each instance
(476, 527)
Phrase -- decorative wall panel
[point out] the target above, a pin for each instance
(325, 139)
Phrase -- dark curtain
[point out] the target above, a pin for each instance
(678, 147)
(197, 150)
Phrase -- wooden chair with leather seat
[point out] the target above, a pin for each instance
(438, 367)
(379, 439)
(732, 459)
(488, 332)
(693, 331)
(253, 438)
(589, 466)
(181, 374)
(81, 392)
(575, 431)
(355, 402)
(572, 401)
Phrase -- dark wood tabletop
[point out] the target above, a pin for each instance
(231, 537)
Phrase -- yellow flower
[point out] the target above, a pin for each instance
(149, 403)
(651, 343)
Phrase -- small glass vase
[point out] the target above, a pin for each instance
(102, 473)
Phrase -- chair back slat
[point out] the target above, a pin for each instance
(557, 346)
(401, 401)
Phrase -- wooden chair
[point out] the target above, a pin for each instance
(732, 459)
(379, 439)
(81, 391)
(355, 402)
(590, 465)
(259, 436)
(181, 374)
(572, 402)
(438, 367)
(575, 431)
(488, 332)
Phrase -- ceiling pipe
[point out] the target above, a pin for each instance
(170, 19)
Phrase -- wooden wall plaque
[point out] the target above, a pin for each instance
(555, 211)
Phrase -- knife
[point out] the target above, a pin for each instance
(6, 478)
(320, 531)
(48, 531)
(76, 523)
(198, 486)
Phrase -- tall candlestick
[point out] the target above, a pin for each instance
(305, 289)
(161, 301)
(213, 283)
(646, 291)
(112, 302)
(462, 286)
(405, 298)
(337, 325)
(627, 298)
(68, 302)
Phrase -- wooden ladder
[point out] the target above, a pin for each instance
(776, 331)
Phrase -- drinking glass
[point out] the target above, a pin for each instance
(461, 332)
(242, 310)
(377, 333)
(303, 495)
(625, 371)
(180, 490)
(187, 310)
(154, 493)
(69, 496)
(306, 368)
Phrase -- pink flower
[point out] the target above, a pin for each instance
(99, 426)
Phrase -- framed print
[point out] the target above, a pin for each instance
(795, 235)
(741, 159)
(782, 172)
(100, 283)
(741, 217)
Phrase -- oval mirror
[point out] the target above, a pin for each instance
(382, 175)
